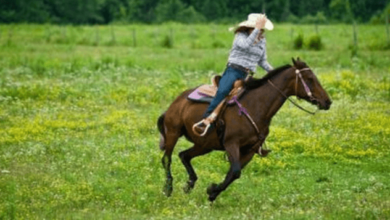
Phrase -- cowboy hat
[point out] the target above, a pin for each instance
(251, 22)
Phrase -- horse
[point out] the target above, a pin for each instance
(241, 139)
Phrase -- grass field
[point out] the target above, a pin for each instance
(78, 136)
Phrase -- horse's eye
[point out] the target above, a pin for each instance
(310, 81)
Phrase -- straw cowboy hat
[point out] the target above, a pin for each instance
(251, 22)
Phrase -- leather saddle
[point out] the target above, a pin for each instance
(206, 92)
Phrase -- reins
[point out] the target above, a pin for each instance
(298, 75)
(242, 110)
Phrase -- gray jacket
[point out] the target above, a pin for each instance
(245, 52)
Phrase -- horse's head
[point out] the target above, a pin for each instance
(308, 87)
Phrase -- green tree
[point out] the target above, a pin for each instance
(35, 11)
(365, 9)
(75, 11)
(169, 10)
(150, 11)
(190, 15)
(302, 8)
(141, 11)
(113, 10)
(380, 17)
(214, 9)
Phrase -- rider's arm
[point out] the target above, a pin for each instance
(242, 40)
(263, 60)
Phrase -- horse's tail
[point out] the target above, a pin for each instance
(160, 126)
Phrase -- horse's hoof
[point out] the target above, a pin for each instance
(265, 152)
(213, 192)
(212, 198)
(188, 187)
(168, 190)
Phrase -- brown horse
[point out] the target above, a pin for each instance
(263, 99)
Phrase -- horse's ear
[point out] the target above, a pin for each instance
(299, 59)
(293, 60)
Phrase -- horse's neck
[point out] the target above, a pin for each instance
(267, 100)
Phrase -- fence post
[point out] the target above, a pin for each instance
(192, 32)
(387, 27)
(292, 36)
(48, 34)
(63, 34)
(97, 35)
(171, 36)
(134, 38)
(156, 34)
(264, 5)
(355, 40)
(10, 34)
(113, 39)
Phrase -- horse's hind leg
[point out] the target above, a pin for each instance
(186, 157)
(170, 143)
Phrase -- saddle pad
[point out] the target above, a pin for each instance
(198, 96)
(204, 93)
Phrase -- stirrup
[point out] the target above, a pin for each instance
(205, 130)
(208, 122)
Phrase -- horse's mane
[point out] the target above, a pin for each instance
(255, 83)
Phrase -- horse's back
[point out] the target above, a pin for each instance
(181, 109)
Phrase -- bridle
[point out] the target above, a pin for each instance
(307, 89)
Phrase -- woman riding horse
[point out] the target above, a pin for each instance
(240, 139)
(248, 51)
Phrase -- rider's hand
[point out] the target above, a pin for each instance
(260, 23)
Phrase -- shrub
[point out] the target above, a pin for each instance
(380, 17)
(354, 50)
(319, 18)
(379, 45)
(315, 42)
(292, 19)
(218, 44)
(167, 42)
(298, 42)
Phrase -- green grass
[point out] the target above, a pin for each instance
(78, 136)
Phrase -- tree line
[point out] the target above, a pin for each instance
(190, 11)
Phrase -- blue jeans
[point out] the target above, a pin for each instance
(225, 86)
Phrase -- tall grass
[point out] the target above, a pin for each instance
(78, 138)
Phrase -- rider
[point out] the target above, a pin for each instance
(247, 52)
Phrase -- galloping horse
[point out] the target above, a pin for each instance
(241, 139)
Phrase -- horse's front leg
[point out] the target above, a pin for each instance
(234, 172)
(186, 157)
(215, 189)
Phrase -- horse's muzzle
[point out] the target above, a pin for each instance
(325, 105)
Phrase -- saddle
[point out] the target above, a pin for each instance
(206, 92)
